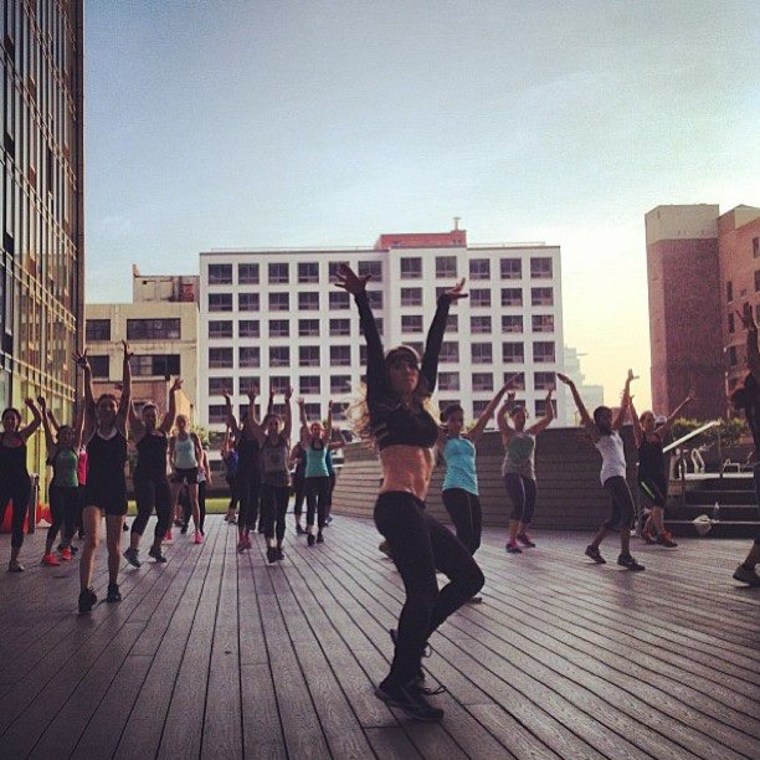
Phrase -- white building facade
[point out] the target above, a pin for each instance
(274, 318)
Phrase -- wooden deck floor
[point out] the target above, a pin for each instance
(219, 655)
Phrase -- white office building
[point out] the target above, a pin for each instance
(273, 318)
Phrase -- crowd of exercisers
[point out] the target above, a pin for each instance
(392, 412)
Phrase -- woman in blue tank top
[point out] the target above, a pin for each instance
(460, 483)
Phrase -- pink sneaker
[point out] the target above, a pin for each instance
(169, 538)
(198, 538)
(50, 560)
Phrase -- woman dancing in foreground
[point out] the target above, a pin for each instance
(604, 433)
(394, 416)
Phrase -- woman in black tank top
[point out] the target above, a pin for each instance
(14, 479)
(105, 430)
(151, 485)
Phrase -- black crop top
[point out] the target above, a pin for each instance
(391, 421)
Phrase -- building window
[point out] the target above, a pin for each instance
(309, 384)
(448, 381)
(757, 281)
(218, 385)
(220, 358)
(160, 365)
(411, 323)
(729, 291)
(97, 329)
(512, 323)
(480, 325)
(482, 381)
(308, 356)
(99, 366)
(480, 297)
(513, 352)
(313, 411)
(511, 269)
(411, 296)
(308, 271)
(452, 323)
(339, 411)
(248, 328)
(480, 269)
(217, 414)
(340, 384)
(544, 381)
(372, 268)
(153, 329)
(516, 380)
(446, 267)
(449, 351)
(278, 274)
(540, 407)
(279, 356)
(279, 328)
(375, 298)
(249, 356)
(220, 328)
(279, 384)
(481, 353)
(220, 301)
(478, 407)
(731, 323)
(308, 328)
(511, 297)
(248, 301)
(543, 352)
(249, 383)
(332, 270)
(417, 346)
(732, 356)
(542, 323)
(339, 327)
(220, 274)
(339, 299)
(756, 247)
(542, 296)
(248, 274)
(411, 268)
(279, 302)
(541, 268)
(340, 356)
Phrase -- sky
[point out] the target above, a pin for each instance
(255, 124)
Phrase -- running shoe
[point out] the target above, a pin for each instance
(629, 563)
(14, 566)
(198, 537)
(525, 540)
(513, 548)
(594, 553)
(114, 595)
(156, 553)
(410, 700)
(183, 529)
(66, 554)
(168, 537)
(320, 538)
(130, 555)
(50, 560)
(310, 539)
(280, 554)
(271, 554)
(477, 599)
(666, 539)
(87, 600)
(745, 575)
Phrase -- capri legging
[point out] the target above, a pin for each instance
(466, 514)
(623, 508)
(64, 509)
(522, 491)
(17, 490)
(274, 505)
(150, 493)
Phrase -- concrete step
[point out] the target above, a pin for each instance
(721, 529)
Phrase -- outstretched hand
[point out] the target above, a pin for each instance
(177, 384)
(127, 353)
(457, 291)
(81, 359)
(563, 378)
(348, 280)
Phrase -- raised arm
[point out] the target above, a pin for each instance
(49, 441)
(251, 418)
(546, 420)
(328, 426)
(434, 340)
(270, 403)
(171, 413)
(625, 401)
(638, 433)
(126, 390)
(753, 353)
(136, 426)
(502, 420)
(230, 419)
(89, 419)
(485, 418)
(287, 428)
(78, 425)
(673, 416)
(36, 420)
(302, 416)
(588, 423)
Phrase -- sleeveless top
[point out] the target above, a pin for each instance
(316, 465)
(65, 465)
(13, 460)
(520, 455)
(151, 456)
(651, 460)
(613, 456)
(459, 455)
(184, 453)
(106, 458)
(274, 463)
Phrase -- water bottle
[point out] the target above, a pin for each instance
(716, 512)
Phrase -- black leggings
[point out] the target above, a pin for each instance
(274, 505)
(187, 507)
(64, 509)
(18, 490)
(623, 508)
(153, 492)
(420, 545)
(299, 494)
(522, 491)
(466, 513)
(248, 487)
(316, 499)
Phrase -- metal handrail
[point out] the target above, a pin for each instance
(691, 435)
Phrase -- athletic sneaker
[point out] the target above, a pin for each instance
(320, 538)
(410, 700)
(130, 555)
(87, 600)
(50, 560)
(666, 539)
(280, 554)
(744, 575)
(66, 554)
(271, 554)
(594, 553)
(198, 537)
(114, 595)
(477, 599)
(629, 563)
(14, 566)
(310, 539)
(168, 537)
(513, 548)
(525, 540)
(156, 554)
